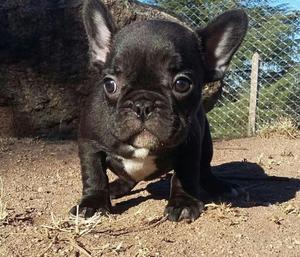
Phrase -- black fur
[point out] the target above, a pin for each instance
(147, 111)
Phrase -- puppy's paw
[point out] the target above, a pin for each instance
(90, 206)
(120, 187)
(183, 208)
(86, 212)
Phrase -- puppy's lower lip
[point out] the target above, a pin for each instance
(145, 139)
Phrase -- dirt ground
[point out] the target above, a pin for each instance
(41, 181)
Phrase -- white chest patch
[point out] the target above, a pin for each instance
(140, 166)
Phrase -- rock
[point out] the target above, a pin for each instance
(6, 125)
(44, 73)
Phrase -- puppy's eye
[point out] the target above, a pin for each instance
(182, 85)
(110, 86)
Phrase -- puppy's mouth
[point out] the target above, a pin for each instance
(145, 139)
(163, 131)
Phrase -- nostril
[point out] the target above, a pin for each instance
(148, 110)
(138, 109)
(128, 104)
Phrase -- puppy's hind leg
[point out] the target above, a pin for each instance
(208, 180)
(120, 187)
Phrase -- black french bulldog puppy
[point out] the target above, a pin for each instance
(144, 117)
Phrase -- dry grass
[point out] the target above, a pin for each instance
(221, 211)
(291, 209)
(67, 233)
(6, 142)
(3, 212)
(225, 212)
(75, 226)
(284, 127)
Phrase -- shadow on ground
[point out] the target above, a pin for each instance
(261, 189)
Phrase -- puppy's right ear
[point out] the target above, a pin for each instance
(100, 29)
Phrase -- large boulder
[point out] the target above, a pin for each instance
(44, 71)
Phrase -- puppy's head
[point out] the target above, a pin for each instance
(152, 72)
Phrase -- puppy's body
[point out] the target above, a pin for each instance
(145, 117)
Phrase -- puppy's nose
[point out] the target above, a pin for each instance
(143, 108)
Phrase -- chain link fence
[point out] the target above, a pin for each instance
(274, 34)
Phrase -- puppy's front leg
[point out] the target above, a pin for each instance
(182, 205)
(95, 193)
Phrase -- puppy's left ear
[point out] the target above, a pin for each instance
(220, 40)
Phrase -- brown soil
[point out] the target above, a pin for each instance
(42, 181)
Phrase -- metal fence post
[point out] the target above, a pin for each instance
(253, 94)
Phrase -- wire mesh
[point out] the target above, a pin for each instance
(274, 33)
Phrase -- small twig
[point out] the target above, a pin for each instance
(3, 212)
(75, 244)
(56, 228)
(77, 220)
(124, 231)
(49, 246)
(160, 221)
(89, 229)
(292, 136)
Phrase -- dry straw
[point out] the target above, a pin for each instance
(3, 212)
